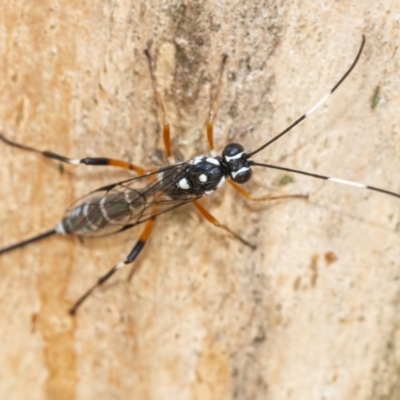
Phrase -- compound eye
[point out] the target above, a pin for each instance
(242, 176)
(232, 150)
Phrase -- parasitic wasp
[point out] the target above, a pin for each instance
(122, 205)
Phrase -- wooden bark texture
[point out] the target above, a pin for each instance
(313, 312)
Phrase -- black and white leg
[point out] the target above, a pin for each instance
(94, 161)
(129, 259)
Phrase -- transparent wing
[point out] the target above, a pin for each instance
(122, 205)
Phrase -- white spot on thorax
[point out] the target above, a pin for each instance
(197, 160)
(212, 161)
(203, 178)
(183, 184)
(221, 182)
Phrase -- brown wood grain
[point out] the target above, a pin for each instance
(312, 313)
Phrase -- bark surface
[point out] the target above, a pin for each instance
(311, 313)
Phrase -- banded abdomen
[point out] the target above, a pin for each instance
(102, 212)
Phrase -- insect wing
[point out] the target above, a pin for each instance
(122, 205)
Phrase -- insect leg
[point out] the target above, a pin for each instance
(216, 223)
(76, 161)
(214, 108)
(129, 259)
(160, 103)
(250, 197)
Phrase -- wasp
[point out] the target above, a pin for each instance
(139, 200)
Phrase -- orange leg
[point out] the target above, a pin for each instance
(214, 108)
(248, 196)
(216, 223)
(129, 259)
(160, 103)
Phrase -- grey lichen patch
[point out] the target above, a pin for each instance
(285, 180)
(61, 169)
(386, 385)
(375, 98)
(180, 55)
(191, 30)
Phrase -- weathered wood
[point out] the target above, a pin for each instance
(313, 312)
